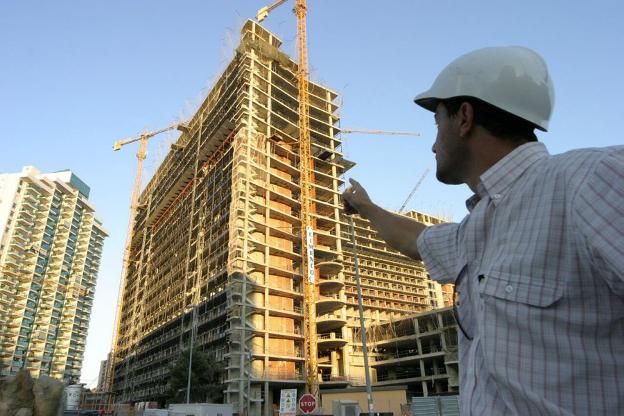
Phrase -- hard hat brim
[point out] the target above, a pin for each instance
(426, 102)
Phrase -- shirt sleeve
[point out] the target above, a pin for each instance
(599, 211)
(438, 248)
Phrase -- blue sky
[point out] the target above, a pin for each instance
(76, 76)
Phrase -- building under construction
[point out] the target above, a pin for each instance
(215, 254)
(393, 287)
(418, 351)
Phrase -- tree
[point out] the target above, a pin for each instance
(206, 378)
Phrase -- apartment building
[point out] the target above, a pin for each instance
(103, 375)
(50, 248)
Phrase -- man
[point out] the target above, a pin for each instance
(539, 260)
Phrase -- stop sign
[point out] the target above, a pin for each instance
(307, 403)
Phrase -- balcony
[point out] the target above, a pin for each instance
(7, 342)
(325, 252)
(331, 340)
(13, 265)
(24, 278)
(327, 303)
(44, 312)
(8, 292)
(334, 380)
(403, 374)
(35, 347)
(20, 295)
(330, 321)
(329, 279)
(329, 267)
(330, 283)
(277, 375)
(396, 358)
(401, 339)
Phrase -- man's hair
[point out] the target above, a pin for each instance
(498, 122)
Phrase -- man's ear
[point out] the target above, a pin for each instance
(465, 119)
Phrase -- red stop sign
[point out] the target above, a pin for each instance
(307, 403)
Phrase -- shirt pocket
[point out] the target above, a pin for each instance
(538, 292)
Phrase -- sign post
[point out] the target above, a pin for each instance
(307, 404)
(310, 253)
(288, 402)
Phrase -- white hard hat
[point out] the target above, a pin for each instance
(513, 78)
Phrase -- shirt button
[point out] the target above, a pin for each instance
(509, 288)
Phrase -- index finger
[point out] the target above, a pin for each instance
(353, 182)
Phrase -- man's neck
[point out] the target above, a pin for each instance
(487, 151)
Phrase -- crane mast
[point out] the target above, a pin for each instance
(134, 203)
(306, 179)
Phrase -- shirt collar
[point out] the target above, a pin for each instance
(496, 181)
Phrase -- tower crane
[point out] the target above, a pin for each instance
(305, 182)
(413, 191)
(346, 130)
(134, 200)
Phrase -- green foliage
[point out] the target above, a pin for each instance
(206, 378)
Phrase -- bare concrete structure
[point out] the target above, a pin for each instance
(419, 351)
(215, 256)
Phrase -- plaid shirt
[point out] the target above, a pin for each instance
(541, 262)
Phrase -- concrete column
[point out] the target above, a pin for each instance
(335, 369)
(268, 400)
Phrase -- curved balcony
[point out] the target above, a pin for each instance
(329, 267)
(8, 342)
(330, 283)
(330, 340)
(329, 279)
(328, 303)
(15, 323)
(330, 322)
(8, 290)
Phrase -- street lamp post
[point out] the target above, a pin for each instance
(190, 363)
